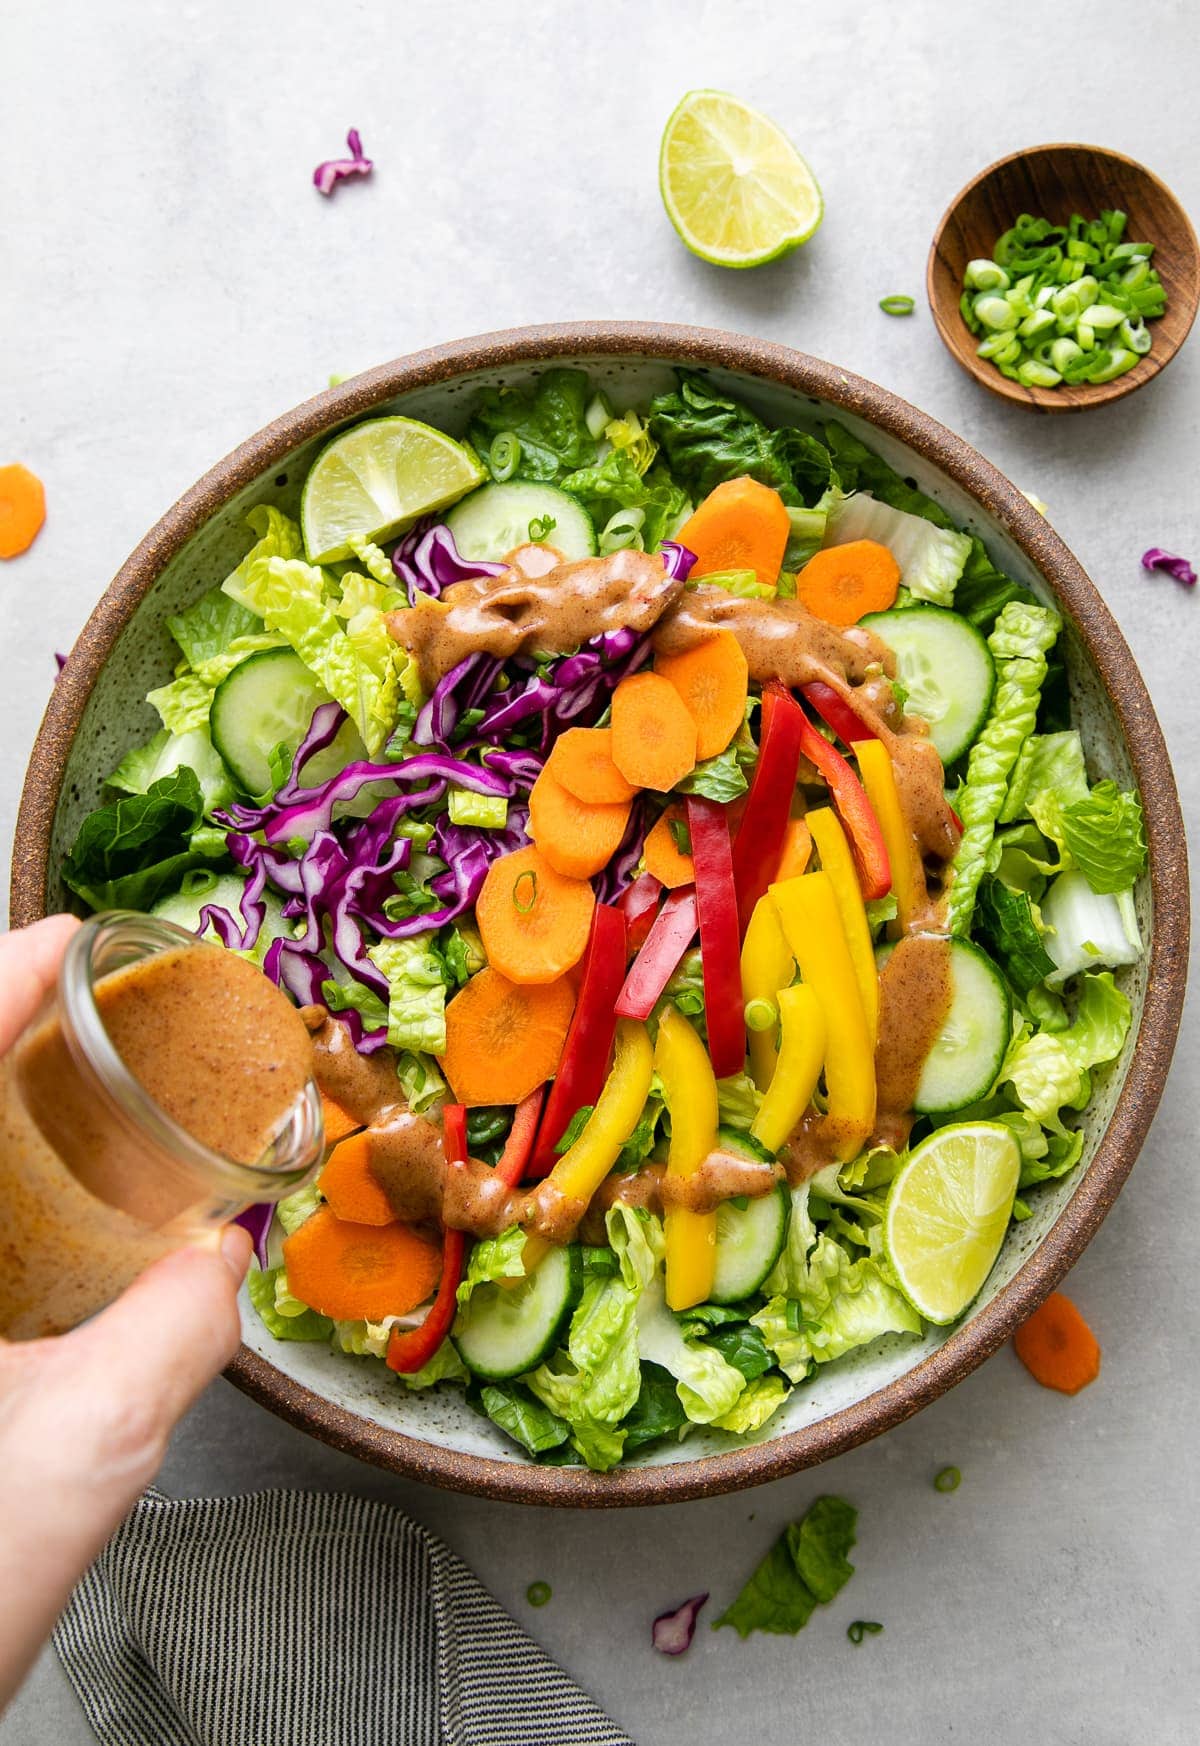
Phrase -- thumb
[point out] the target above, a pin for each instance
(166, 1337)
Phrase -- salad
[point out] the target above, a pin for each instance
(675, 834)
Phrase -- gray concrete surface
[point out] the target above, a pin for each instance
(171, 280)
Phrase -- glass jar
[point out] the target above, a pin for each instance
(97, 1179)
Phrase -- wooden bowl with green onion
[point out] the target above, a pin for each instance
(1054, 182)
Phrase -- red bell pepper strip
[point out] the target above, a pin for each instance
(716, 904)
(673, 932)
(759, 840)
(584, 1064)
(832, 707)
(512, 1163)
(638, 903)
(854, 810)
(410, 1349)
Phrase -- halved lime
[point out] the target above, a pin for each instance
(377, 478)
(947, 1213)
(735, 187)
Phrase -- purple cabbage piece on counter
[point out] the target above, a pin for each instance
(326, 176)
(672, 1633)
(1157, 559)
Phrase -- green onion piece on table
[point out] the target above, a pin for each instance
(949, 1479)
(897, 305)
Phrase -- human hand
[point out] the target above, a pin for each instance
(85, 1417)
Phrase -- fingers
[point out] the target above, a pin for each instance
(29, 960)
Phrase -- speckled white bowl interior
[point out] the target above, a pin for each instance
(116, 718)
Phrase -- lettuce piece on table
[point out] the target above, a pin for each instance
(807, 1567)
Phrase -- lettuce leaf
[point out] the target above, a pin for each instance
(523, 1418)
(1086, 929)
(657, 1412)
(294, 1208)
(207, 627)
(417, 983)
(759, 1400)
(617, 483)
(354, 997)
(295, 1321)
(600, 1444)
(931, 558)
(1104, 834)
(717, 778)
(128, 853)
(165, 754)
(423, 1086)
(708, 439)
(1005, 923)
(1052, 777)
(494, 1258)
(444, 1366)
(1018, 643)
(1050, 1070)
(807, 1567)
(548, 418)
(488, 811)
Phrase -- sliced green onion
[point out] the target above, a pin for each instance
(1102, 316)
(1036, 324)
(897, 305)
(949, 1479)
(197, 882)
(1002, 347)
(1135, 335)
(538, 1593)
(541, 527)
(1062, 353)
(761, 1015)
(598, 414)
(996, 313)
(860, 1628)
(1031, 374)
(985, 276)
(503, 455)
(523, 901)
(623, 529)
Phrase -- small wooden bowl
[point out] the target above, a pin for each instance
(1054, 181)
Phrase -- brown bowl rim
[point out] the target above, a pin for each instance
(977, 1339)
(1050, 399)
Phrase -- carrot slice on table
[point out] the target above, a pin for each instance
(22, 509)
(796, 852)
(350, 1186)
(653, 736)
(503, 1039)
(1057, 1347)
(842, 583)
(712, 680)
(533, 920)
(741, 525)
(577, 839)
(662, 854)
(582, 761)
(351, 1271)
(338, 1121)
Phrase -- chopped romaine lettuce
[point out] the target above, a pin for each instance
(423, 1086)
(760, 1398)
(281, 1314)
(1050, 1070)
(522, 1418)
(708, 439)
(494, 1258)
(1103, 832)
(1086, 929)
(548, 419)
(488, 811)
(130, 852)
(417, 981)
(293, 1209)
(164, 754)
(807, 1567)
(931, 558)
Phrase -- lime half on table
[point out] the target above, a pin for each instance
(946, 1215)
(378, 477)
(734, 186)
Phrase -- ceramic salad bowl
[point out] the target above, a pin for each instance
(96, 713)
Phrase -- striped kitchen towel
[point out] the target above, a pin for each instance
(305, 1619)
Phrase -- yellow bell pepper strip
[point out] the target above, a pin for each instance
(808, 914)
(838, 862)
(801, 1057)
(583, 1167)
(690, 1093)
(878, 778)
(767, 966)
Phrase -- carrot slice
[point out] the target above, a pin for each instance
(741, 525)
(349, 1184)
(842, 583)
(22, 509)
(582, 761)
(352, 1272)
(1057, 1347)
(663, 856)
(338, 1121)
(653, 736)
(533, 920)
(503, 1039)
(577, 839)
(712, 680)
(796, 851)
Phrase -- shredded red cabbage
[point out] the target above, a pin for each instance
(326, 176)
(1157, 559)
(427, 560)
(60, 662)
(672, 1633)
(621, 870)
(677, 560)
(257, 1220)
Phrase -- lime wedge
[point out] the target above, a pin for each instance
(947, 1213)
(735, 187)
(376, 478)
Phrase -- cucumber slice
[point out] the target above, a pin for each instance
(503, 1332)
(750, 1240)
(266, 701)
(947, 669)
(965, 1060)
(495, 519)
(200, 889)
